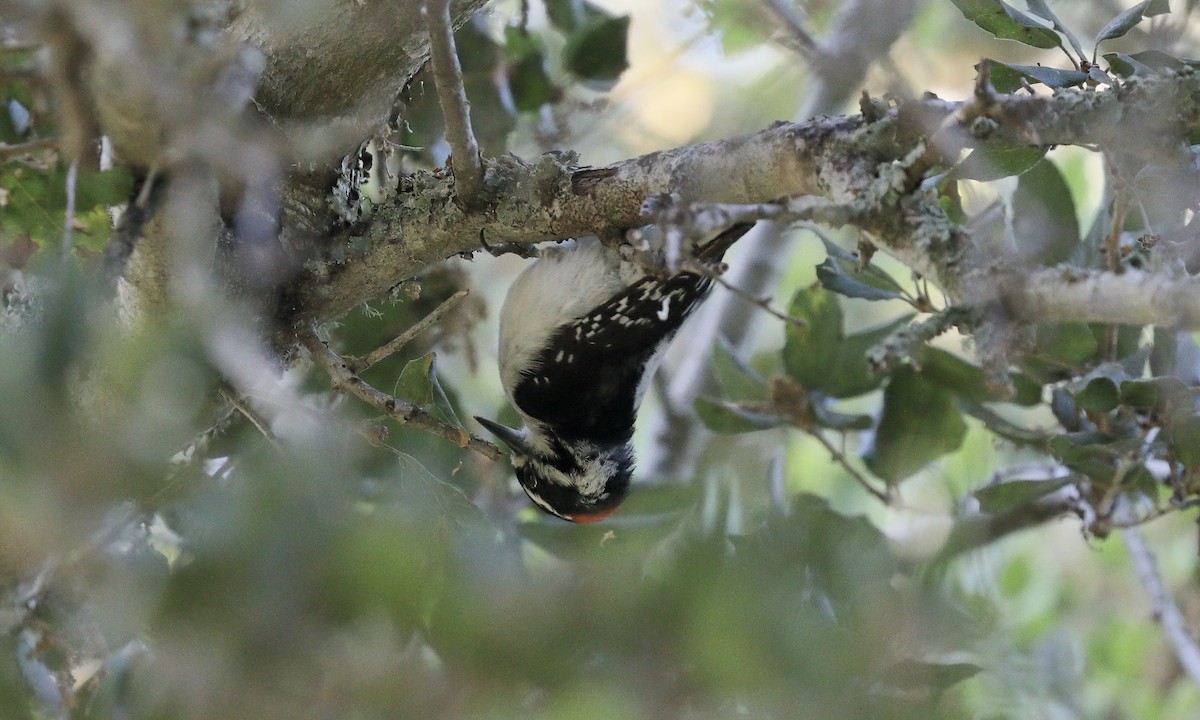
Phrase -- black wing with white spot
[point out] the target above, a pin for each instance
(584, 383)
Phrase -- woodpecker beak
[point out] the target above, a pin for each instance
(513, 438)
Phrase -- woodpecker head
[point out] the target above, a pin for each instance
(573, 480)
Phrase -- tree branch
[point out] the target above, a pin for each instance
(552, 199)
(842, 159)
(25, 148)
(979, 529)
(380, 353)
(1165, 610)
(1130, 298)
(863, 32)
(447, 75)
(345, 380)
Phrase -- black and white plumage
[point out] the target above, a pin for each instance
(581, 333)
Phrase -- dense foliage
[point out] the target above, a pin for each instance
(197, 523)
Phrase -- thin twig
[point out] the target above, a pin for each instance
(1165, 610)
(69, 212)
(763, 302)
(1146, 519)
(365, 363)
(19, 46)
(31, 146)
(884, 496)
(447, 75)
(345, 380)
(978, 529)
(238, 403)
(1112, 249)
(797, 28)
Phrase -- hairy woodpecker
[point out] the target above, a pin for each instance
(581, 333)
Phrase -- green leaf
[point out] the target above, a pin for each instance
(919, 676)
(1147, 62)
(1183, 435)
(993, 160)
(659, 499)
(739, 24)
(730, 418)
(1097, 75)
(519, 43)
(810, 352)
(951, 204)
(852, 374)
(597, 50)
(478, 52)
(967, 380)
(1039, 8)
(847, 556)
(1128, 347)
(528, 82)
(834, 420)
(1091, 453)
(919, 424)
(1007, 23)
(1044, 224)
(1006, 77)
(842, 273)
(530, 85)
(1160, 60)
(1001, 497)
(1100, 394)
(1158, 393)
(416, 381)
(566, 15)
(737, 380)
(419, 385)
(569, 15)
(1097, 390)
(1127, 20)
(109, 187)
(1003, 427)
(1127, 66)
(1163, 351)
(615, 537)
(36, 202)
(1060, 347)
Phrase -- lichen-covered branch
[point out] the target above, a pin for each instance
(174, 95)
(871, 168)
(551, 199)
(1128, 298)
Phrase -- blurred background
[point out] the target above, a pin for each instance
(166, 556)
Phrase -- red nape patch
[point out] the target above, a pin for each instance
(587, 518)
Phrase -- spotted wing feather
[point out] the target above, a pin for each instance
(584, 382)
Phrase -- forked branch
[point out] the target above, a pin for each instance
(344, 379)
